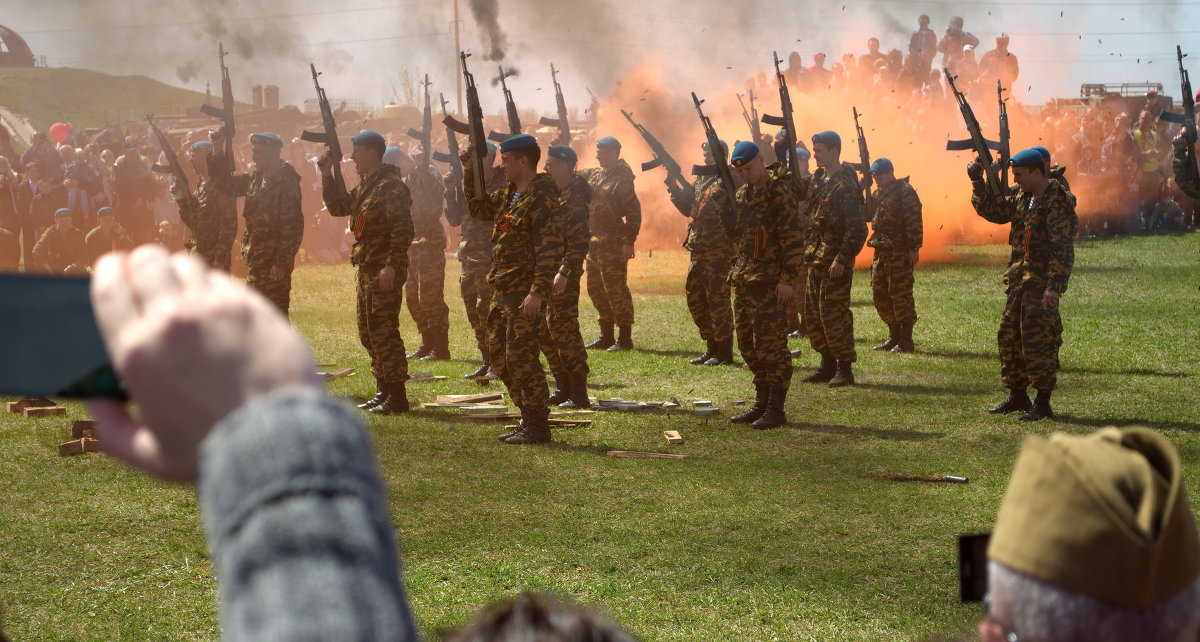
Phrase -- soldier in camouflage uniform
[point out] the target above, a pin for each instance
(427, 260)
(707, 284)
(766, 268)
(475, 257)
(209, 214)
(835, 236)
(379, 211)
(61, 247)
(527, 249)
(107, 236)
(1042, 235)
(561, 341)
(896, 236)
(615, 219)
(1187, 174)
(274, 220)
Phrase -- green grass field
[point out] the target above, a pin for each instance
(780, 534)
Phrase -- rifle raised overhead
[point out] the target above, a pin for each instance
(510, 108)
(982, 146)
(675, 179)
(173, 165)
(225, 113)
(329, 136)
(425, 135)
(564, 128)
(785, 120)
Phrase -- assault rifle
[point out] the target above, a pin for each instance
(785, 120)
(473, 128)
(510, 107)
(982, 146)
(1188, 117)
(225, 113)
(456, 169)
(1005, 149)
(720, 162)
(426, 134)
(864, 156)
(329, 136)
(675, 179)
(564, 128)
(172, 166)
(751, 116)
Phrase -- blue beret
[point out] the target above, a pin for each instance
(369, 138)
(803, 153)
(266, 138)
(104, 211)
(724, 146)
(609, 141)
(1044, 152)
(743, 153)
(520, 141)
(563, 152)
(828, 139)
(61, 212)
(394, 156)
(204, 146)
(491, 147)
(1028, 158)
(882, 166)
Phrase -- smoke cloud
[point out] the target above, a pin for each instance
(487, 17)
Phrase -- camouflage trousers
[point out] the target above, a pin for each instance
(218, 258)
(425, 289)
(607, 283)
(892, 287)
(707, 290)
(827, 313)
(378, 314)
(477, 298)
(1029, 338)
(278, 291)
(513, 344)
(559, 335)
(760, 321)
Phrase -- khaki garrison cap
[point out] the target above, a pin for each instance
(1103, 515)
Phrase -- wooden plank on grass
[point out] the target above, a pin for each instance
(425, 376)
(479, 398)
(77, 446)
(81, 428)
(18, 407)
(44, 411)
(336, 374)
(633, 454)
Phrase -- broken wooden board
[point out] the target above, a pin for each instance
(81, 428)
(326, 364)
(673, 436)
(574, 417)
(44, 411)
(77, 446)
(479, 398)
(633, 454)
(425, 376)
(336, 374)
(18, 407)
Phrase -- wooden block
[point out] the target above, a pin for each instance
(336, 374)
(479, 398)
(570, 422)
(425, 376)
(18, 407)
(673, 436)
(82, 428)
(633, 454)
(45, 411)
(77, 446)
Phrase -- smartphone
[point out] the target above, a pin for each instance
(52, 346)
(972, 566)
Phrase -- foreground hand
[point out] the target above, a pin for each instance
(531, 306)
(191, 346)
(783, 293)
(560, 283)
(387, 278)
(1050, 300)
(836, 270)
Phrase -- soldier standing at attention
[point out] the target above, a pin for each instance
(380, 219)
(527, 250)
(835, 236)
(707, 284)
(561, 341)
(61, 247)
(475, 257)
(274, 220)
(107, 236)
(427, 259)
(1042, 214)
(769, 250)
(210, 214)
(615, 219)
(896, 236)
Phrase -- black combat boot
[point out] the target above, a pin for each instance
(579, 395)
(723, 355)
(890, 342)
(844, 375)
(513, 430)
(795, 327)
(904, 342)
(483, 367)
(536, 428)
(440, 349)
(762, 395)
(562, 389)
(1041, 408)
(708, 352)
(625, 341)
(377, 399)
(606, 338)
(1017, 400)
(395, 403)
(774, 417)
(423, 351)
(824, 373)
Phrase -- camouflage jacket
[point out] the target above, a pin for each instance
(100, 241)
(703, 205)
(274, 220)
(615, 213)
(527, 240)
(836, 229)
(428, 196)
(1187, 175)
(211, 215)
(1042, 236)
(897, 218)
(379, 210)
(576, 237)
(476, 244)
(767, 239)
(61, 249)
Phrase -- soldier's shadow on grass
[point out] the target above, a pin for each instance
(672, 353)
(961, 354)
(892, 434)
(1094, 422)
(1131, 372)
(926, 390)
